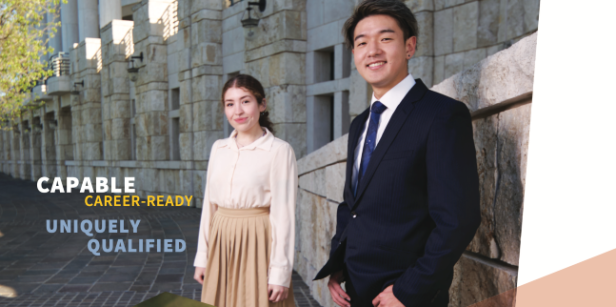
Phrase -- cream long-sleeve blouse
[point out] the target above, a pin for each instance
(262, 174)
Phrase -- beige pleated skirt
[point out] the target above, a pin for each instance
(238, 260)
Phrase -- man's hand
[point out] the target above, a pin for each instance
(199, 274)
(277, 293)
(387, 299)
(338, 295)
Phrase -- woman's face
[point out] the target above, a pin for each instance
(242, 109)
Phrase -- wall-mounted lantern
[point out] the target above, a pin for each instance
(250, 18)
(75, 91)
(133, 71)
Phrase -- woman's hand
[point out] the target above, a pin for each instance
(277, 293)
(199, 272)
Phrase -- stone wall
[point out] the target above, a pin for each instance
(497, 91)
(274, 53)
(172, 112)
(321, 182)
(117, 45)
(456, 34)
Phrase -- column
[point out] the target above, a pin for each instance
(70, 32)
(88, 19)
(55, 42)
(115, 86)
(109, 10)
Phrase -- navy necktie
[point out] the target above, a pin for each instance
(370, 142)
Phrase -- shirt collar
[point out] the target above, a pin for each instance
(394, 96)
(263, 143)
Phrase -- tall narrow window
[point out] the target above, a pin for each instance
(174, 115)
(324, 65)
(346, 61)
(324, 114)
(50, 143)
(133, 130)
(65, 134)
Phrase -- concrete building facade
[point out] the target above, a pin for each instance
(158, 121)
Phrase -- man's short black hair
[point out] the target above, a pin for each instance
(393, 8)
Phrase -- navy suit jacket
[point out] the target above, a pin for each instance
(417, 205)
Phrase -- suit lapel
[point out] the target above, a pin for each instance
(391, 131)
(353, 139)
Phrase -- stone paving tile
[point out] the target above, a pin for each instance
(57, 269)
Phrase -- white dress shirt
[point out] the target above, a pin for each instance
(262, 174)
(391, 100)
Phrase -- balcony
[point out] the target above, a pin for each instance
(39, 92)
(60, 81)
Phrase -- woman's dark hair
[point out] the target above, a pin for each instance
(392, 8)
(253, 85)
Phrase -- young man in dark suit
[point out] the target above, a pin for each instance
(411, 196)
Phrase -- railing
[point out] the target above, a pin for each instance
(60, 64)
(169, 19)
(510, 103)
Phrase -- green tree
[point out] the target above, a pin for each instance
(24, 34)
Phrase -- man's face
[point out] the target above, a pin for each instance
(380, 51)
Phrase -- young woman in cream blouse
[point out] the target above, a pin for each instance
(247, 233)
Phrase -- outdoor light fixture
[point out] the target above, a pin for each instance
(132, 70)
(75, 91)
(250, 20)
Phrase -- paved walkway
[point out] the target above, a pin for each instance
(58, 269)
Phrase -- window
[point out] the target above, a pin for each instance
(324, 65)
(65, 134)
(174, 115)
(50, 144)
(324, 113)
(133, 130)
(346, 61)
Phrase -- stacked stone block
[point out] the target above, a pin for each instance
(25, 163)
(86, 107)
(466, 32)
(195, 62)
(3, 151)
(321, 182)
(49, 144)
(151, 86)
(16, 149)
(64, 132)
(36, 145)
(116, 40)
(501, 141)
(276, 57)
